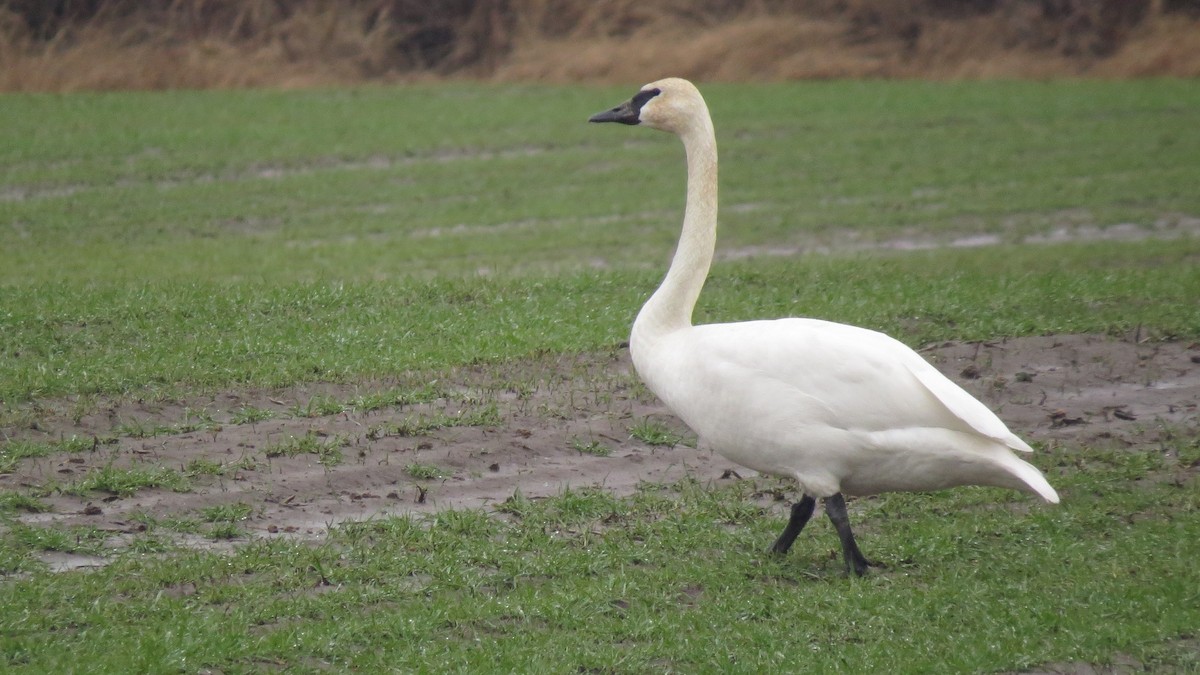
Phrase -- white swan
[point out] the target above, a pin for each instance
(838, 408)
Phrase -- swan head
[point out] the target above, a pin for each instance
(672, 105)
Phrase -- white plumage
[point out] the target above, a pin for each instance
(840, 409)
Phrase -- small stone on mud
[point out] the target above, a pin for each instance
(92, 510)
(971, 372)
(494, 467)
(1059, 418)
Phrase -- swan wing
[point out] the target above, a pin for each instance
(862, 379)
(963, 405)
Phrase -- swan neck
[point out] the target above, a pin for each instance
(670, 308)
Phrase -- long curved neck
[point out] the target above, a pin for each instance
(670, 308)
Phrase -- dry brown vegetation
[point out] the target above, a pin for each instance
(56, 45)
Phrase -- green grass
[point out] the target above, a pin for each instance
(185, 243)
(250, 415)
(127, 481)
(227, 513)
(197, 336)
(202, 466)
(328, 449)
(367, 184)
(675, 578)
(420, 425)
(592, 447)
(15, 501)
(371, 402)
(13, 452)
(205, 467)
(20, 449)
(86, 540)
(426, 471)
(655, 432)
(223, 239)
(225, 530)
(318, 406)
(135, 428)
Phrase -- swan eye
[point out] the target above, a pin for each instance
(640, 98)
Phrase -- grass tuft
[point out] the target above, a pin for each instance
(16, 501)
(395, 398)
(87, 540)
(13, 452)
(318, 406)
(592, 447)
(426, 471)
(655, 432)
(226, 513)
(250, 415)
(126, 482)
(328, 449)
(421, 425)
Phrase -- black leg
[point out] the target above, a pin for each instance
(801, 512)
(835, 507)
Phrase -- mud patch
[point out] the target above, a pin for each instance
(1080, 227)
(534, 428)
(1082, 389)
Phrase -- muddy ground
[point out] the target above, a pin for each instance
(1068, 390)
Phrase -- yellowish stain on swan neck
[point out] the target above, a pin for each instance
(670, 308)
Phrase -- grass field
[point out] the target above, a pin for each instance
(170, 247)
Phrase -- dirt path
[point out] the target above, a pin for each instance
(1067, 390)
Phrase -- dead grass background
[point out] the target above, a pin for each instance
(62, 45)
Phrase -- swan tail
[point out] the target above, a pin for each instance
(1014, 442)
(1033, 479)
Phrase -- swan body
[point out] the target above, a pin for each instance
(838, 408)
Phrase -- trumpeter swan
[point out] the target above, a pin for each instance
(840, 409)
